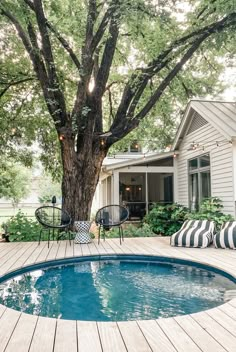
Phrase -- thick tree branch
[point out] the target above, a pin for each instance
(49, 60)
(107, 58)
(125, 125)
(103, 25)
(60, 38)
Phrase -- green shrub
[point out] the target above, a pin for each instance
(21, 228)
(211, 209)
(131, 231)
(166, 219)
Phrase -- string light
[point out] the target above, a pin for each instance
(174, 155)
(102, 141)
(61, 137)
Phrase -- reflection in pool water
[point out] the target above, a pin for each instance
(115, 290)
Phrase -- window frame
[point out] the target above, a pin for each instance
(198, 171)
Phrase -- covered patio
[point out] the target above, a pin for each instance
(139, 183)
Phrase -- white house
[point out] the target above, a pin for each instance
(201, 163)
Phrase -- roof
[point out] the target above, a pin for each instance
(136, 161)
(220, 114)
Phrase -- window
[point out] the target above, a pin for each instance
(199, 180)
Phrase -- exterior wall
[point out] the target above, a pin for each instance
(221, 159)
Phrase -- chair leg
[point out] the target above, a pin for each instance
(99, 233)
(40, 234)
(69, 235)
(120, 233)
(48, 237)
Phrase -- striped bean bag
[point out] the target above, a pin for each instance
(226, 238)
(194, 233)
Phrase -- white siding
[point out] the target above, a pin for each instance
(221, 159)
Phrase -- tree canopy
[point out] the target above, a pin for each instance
(78, 76)
(14, 181)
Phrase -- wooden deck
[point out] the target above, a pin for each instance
(209, 331)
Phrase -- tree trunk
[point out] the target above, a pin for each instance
(81, 171)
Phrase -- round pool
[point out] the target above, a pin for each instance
(110, 288)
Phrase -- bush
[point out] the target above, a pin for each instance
(131, 231)
(21, 228)
(211, 209)
(166, 219)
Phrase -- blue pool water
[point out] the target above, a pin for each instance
(109, 290)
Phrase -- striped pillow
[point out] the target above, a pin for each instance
(194, 233)
(226, 238)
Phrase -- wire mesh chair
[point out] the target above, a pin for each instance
(53, 219)
(111, 216)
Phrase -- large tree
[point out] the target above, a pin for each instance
(76, 49)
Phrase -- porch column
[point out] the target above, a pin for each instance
(175, 179)
(116, 197)
(146, 195)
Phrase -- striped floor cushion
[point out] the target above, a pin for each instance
(226, 238)
(194, 233)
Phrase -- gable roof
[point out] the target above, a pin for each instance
(221, 115)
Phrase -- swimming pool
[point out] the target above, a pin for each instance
(109, 288)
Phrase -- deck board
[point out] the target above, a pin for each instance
(88, 337)
(66, 336)
(22, 335)
(111, 338)
(133, 337)
(156, 338)
(44, 335)
(210, 331)
(217, 331)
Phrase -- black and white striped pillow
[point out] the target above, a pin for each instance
(226, 238)
(194, 233)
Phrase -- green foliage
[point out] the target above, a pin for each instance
(131, 231)
(48, 189)
(211, 209)
(145, 31)
(166, 219)
(21, 228)
(14, 181)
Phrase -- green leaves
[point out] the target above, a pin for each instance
(14, 181)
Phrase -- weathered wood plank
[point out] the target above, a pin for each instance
(61, 250)
(156, 338)
(205, 341)
(110, 337)
(35, 254)
(66, 336)
(22, 334)
(133, 337)
(8, 322)
(179, 338)
(44, 334)
(223, 319)
(88, 337)
(229, 310)
(217, 331)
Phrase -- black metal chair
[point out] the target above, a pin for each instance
(52, 218)
(111, 216)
